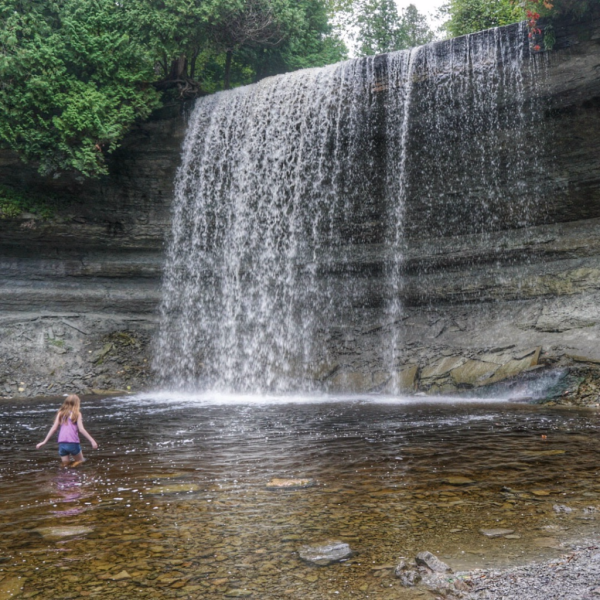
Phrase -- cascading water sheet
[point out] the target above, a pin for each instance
(288, 188)
(272, 175)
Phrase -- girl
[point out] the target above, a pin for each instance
(71, 424)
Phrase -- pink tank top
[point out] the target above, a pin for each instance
(68, 432)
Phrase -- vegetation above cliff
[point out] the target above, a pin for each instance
(76, 74)
(469, 16)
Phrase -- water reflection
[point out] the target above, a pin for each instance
(177, 498)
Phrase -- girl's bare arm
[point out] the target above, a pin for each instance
(85, 433)
(50, 433)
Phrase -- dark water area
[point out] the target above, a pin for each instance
(175, 503)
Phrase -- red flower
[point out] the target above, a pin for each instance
(536, 48)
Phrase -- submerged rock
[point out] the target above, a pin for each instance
(61, 532)
(289, 484)
(175, 488)
(458, 480)
(494, 533)
(325, 553)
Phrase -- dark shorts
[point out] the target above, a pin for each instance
(65, 448)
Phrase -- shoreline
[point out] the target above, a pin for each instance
(574, 575)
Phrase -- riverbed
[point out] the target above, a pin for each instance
(176, 501)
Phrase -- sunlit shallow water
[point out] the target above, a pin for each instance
(175, 502)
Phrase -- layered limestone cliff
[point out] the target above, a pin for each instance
(484, 299)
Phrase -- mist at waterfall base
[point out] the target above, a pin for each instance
(284, 185)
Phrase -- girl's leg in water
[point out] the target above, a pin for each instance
(77, 460)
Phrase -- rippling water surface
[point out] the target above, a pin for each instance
(175, 501)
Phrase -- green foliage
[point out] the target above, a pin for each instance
(380, 28)
(13, 204)
(74, 79)
(468, 16)
(75, 75)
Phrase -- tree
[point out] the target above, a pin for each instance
(468, 16)
(379, 28)
(73, 80)
(75, 75)
(414, 29)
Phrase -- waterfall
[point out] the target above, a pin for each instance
(287, 186)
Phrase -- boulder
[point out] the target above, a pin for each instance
(473, 372)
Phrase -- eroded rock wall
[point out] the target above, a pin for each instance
(79, 291)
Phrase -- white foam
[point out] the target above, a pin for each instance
(218, 398)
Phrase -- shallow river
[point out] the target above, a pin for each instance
(175, 503)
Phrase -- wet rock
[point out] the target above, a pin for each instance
(121, 576)
(473, 372)
(494, 533)
(409, 576)
(513, 367)
(325, 553)
(432, 562)
(442, 367)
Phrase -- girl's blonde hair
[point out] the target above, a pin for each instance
(70, 408)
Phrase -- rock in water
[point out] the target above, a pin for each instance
(289, 484)
(494, 533)
(458, 480)
(325, 553)
(432, 562)
(62, 531)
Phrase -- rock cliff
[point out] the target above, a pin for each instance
(482, 301)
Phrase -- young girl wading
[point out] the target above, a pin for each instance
(70, 422)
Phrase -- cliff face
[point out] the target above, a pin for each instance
(79, 292)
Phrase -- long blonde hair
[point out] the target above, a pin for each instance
(70, 408)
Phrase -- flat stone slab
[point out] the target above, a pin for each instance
(325, 553)
(495, 533)
(52, 533)
(289, 484)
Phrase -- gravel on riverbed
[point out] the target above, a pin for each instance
(572, 576)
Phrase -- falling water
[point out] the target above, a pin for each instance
(285, 185)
